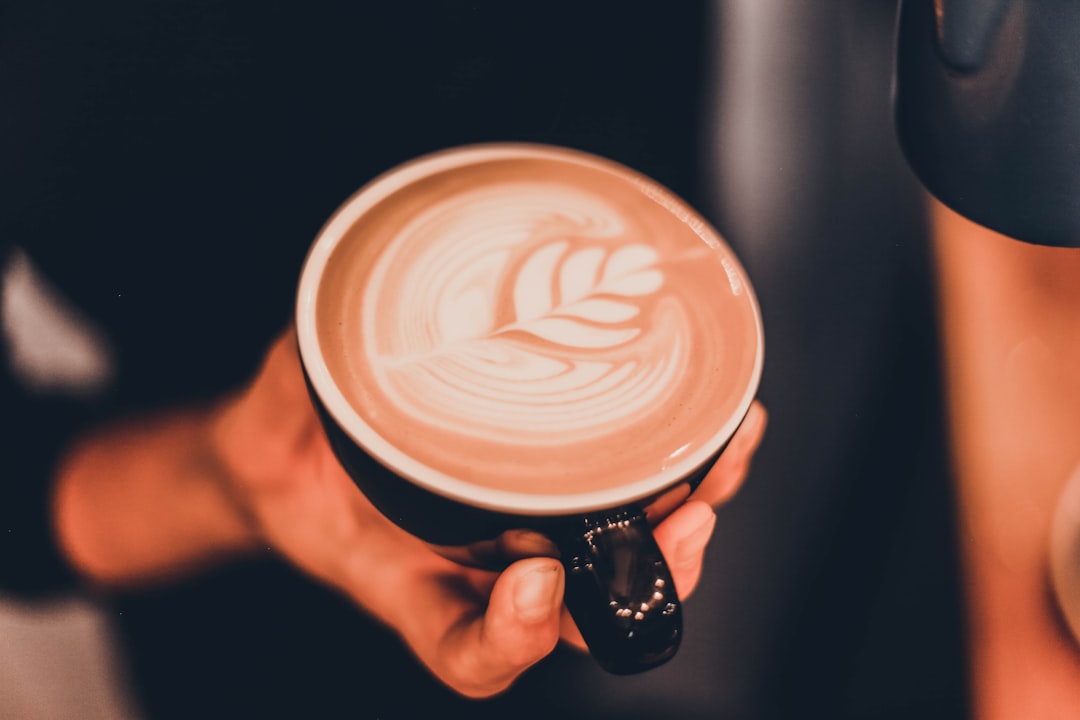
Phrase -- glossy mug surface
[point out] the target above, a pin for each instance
(518, 350)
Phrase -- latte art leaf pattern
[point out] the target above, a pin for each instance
(529, 329)
(534, 326)
(579, 315)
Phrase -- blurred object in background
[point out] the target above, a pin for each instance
(988, 114)
(831, 587)
(51, 346)
(59, 660)
(1010, 312)
(988, 111)
(1065, 552)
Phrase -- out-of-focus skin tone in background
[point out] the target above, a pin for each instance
(1011, 333)
(830, 582)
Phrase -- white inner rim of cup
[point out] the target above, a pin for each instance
(423, 475)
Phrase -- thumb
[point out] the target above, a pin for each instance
(519, 627)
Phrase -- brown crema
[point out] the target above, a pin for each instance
(534, 320)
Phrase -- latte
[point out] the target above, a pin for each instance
(532, 326)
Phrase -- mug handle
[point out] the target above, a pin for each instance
(620, 592)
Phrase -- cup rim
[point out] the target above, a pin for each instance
(432, 479)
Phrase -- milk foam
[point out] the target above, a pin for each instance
(527, 327)
(522, 311)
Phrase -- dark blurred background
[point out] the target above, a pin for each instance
(152, 131)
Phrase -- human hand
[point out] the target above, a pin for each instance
(477, 631)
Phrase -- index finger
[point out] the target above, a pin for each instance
(727, 475)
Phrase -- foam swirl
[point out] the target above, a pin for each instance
(529, 328)
(525, 310)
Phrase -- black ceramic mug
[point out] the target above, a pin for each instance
(521, 350)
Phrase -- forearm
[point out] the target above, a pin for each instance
(1011, 324)
(147, 500)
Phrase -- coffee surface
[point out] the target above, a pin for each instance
(535, 321)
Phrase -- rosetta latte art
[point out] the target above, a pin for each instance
(527, 312)
(508, 321)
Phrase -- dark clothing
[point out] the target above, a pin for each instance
(166, 164)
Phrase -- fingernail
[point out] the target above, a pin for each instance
(693, 544)
(535, 594)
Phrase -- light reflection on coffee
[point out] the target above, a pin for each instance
(537, 321)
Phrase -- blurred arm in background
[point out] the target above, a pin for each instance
(1011, 334)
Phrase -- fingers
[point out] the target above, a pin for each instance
(682, 537)
(685, 533)
(482, 656)
(569, 633)
(727, 475)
